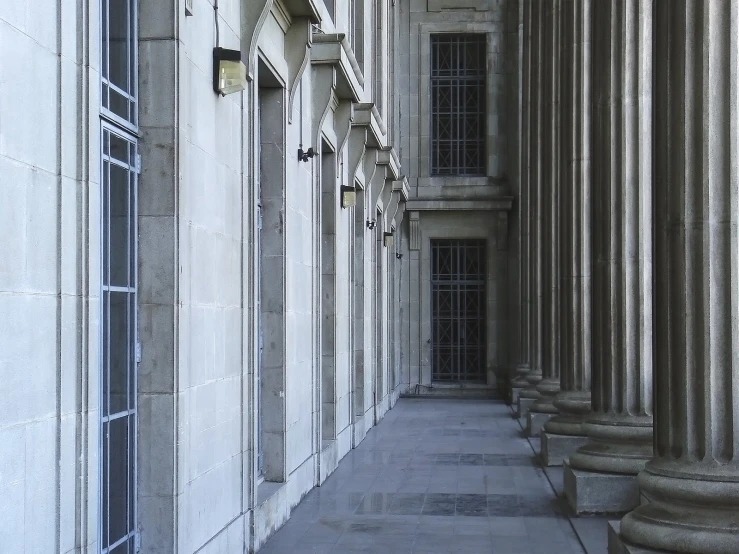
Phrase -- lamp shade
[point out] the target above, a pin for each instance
(229, 72)
(348, 197)
(388, 239)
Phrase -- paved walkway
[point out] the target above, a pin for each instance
(436, 476)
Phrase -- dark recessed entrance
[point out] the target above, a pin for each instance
(458, 310)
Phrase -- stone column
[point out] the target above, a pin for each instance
(601, 476)
(543, 408)
(519, 382)
(563, 434)
(534, 203)
(692, 482)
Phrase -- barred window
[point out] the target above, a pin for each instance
(458, 67)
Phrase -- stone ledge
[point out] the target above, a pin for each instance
(555, 449)
(590, 492)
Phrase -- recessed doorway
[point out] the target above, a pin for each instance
(458, 276)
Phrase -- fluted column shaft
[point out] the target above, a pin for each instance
(573, 402)
(619, 427)
(549, 385)
(535, 202)
(524, 196)
(693, 480)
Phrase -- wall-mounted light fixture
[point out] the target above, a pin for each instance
(398, 256)
(348, 196)
(371, 224)
(305, 156)
(388, 240)
(229, 72)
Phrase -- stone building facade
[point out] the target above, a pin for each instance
(208, 300)
(196, 327)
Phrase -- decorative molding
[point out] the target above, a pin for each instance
(504, 203)
(357, 150)
(253, 16)
(297, 60)
(324, 83)
(477, 5)
(343, 124)
(500, 206)
(281, 15)
(414, 224)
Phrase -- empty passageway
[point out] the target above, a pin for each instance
(435, 476)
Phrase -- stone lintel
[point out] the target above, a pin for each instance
(590, 492)
(535, 422)
(555, 449)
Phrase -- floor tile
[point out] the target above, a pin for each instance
(438, 476)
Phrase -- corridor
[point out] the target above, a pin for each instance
(435, 476)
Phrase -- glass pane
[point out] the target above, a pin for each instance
(119, 44)
(119, 148)
(105, 484)
(106, 224)
(119, 351)
(105, 38)
(118, 104)
(132, 234)
(119, 474)
(105, 378)
(119, 226)
(126, 547)
(132, 352)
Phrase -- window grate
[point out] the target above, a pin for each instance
(458, 274)
(458, 74)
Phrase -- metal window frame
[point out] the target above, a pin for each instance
(458, 80)
(126, 129)
(457, 284)
(106, 85)
(131, 413)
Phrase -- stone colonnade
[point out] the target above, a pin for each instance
(633, 263)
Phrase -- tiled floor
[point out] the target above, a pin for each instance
(436, 476)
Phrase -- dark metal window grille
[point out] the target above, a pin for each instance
(458, 274)
(458, 69)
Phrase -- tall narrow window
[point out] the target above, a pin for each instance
(119, 353)
(119, 180)
(458, 69)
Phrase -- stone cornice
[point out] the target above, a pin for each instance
(366, 115)
(334, 49)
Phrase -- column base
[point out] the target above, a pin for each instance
(515, 391)
(535, 422)
(555, 449)
(524, 405)
(591, 492)
(617, 546)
